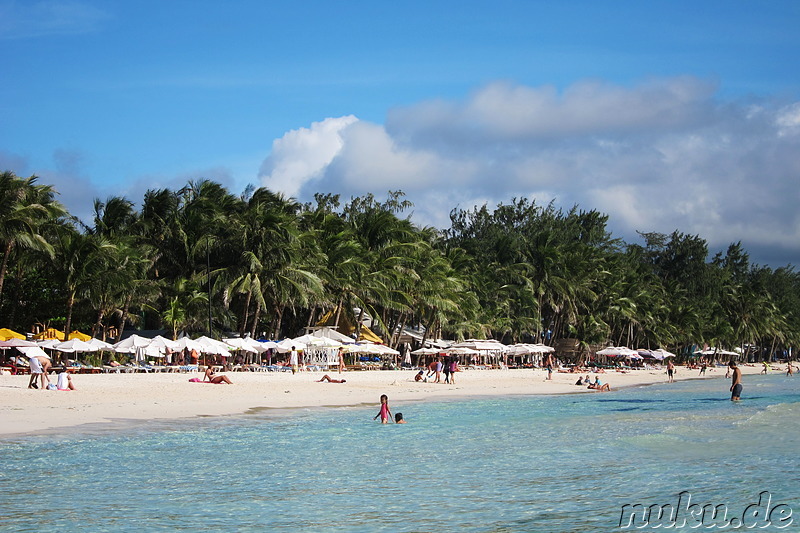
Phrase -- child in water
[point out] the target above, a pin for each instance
(385, 413)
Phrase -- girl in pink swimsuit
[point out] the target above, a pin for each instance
(385, 413)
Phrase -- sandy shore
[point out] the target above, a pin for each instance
(122, 398)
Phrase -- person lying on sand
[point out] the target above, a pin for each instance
(327, 378)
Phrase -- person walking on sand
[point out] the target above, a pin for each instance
(670, 372)
(736, 381)
(341, 359)
(453, 369)
(385, 413)
(293, 361)
(549, 365)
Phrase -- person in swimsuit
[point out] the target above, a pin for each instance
(341, 359)
(216, 379)
(327, 378)
(385, 413)
(398, 419)
(670, 372)
(789, 368)
(736, 381)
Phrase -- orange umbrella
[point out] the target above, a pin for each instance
(8, 334)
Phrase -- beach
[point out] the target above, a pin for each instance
(136, 398)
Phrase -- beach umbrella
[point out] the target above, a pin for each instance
(16, 343)
(130, 344)
(238, 343)
(185, 343)
(162, 343)
(285, 346)
(50, 333)
(74, 345)
(8, 334)
(32, 351)
(213, 346)
(78, 335)
(100, 345)
(425, 351)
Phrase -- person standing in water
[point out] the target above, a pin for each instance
(670, 372)
(385, 413)
(736, 381)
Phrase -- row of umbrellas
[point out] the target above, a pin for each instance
(478, 346)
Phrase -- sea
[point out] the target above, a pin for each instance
(677, 456)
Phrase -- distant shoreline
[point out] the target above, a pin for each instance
(112, 402)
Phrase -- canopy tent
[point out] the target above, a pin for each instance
(347, 327)
(50, 333)
(75, 334)
(8, 334)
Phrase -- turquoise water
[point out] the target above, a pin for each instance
(557, 464)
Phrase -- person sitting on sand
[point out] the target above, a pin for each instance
(216, 379)
(65, 381)
(398, 419)
(420, 376)
(327, 378)
(580, 381)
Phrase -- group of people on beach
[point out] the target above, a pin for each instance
(447, 365)
(40, 367)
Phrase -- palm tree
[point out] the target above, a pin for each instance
(24, 208)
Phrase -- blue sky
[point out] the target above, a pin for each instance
(665, 115)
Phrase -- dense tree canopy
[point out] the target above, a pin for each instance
(265, 265)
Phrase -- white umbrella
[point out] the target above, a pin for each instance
(99, 345)
(213, 346)
(312, 340)
(130, 344)
(74, 345)
(461, 351)
(15, 343)
(162, 343)
(240, 344)
(425, 351)
(185, 343)
(32, 351)
(286, 345)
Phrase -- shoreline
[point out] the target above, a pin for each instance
(112, 402)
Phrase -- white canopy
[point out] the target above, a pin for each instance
(330, 333)
(285, 346)
(213, 346)
(312, 340)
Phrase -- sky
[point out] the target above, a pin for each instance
(665, 115)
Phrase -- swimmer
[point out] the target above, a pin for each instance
(398, 419)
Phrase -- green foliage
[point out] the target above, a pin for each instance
(264, 264)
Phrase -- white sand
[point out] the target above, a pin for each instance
(115, 398)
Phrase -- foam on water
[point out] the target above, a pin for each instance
(565, 463)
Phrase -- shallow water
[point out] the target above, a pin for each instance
(560, 463)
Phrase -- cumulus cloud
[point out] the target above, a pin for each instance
(663, 155)
(303, 154)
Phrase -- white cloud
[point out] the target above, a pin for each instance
(302, 154)
(660, 156)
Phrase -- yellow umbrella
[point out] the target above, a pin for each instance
(50, 333)
(78, 335)
(7, 334)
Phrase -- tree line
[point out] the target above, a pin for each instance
(261, 264)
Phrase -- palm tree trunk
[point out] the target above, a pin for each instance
(338, 313)
(246, 312)
(99, 323)
(4, 266)
(124, 317)
(256, 318)
(278, 321)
